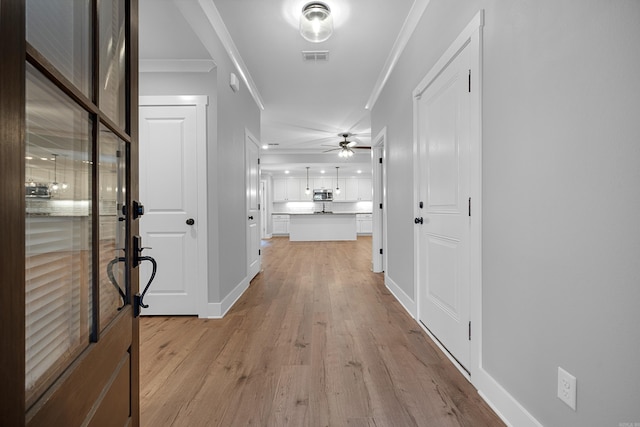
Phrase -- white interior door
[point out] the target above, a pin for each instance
(443, 243)
(253, 205)
(169, 191)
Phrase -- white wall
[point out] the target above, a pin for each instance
(228, 115)
(561, 195)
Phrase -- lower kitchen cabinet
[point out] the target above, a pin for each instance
(280, 224)
(364, 223)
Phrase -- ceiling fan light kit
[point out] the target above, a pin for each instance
(345, 148)
(345, 152)
(316, 22)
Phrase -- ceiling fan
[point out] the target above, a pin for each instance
(346, 147)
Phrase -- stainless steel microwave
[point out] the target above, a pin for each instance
(323, 195)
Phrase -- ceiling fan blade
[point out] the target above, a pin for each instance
(351, 144)
(333, 149)
(364, 147)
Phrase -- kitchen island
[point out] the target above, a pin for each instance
(309, 227)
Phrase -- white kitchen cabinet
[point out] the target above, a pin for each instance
(343, 191)
(358, 189)
(280, 224)
(322, 182)
(303, 188)
(364, 223)
(288, 189)
(351, 189)
(365, 189)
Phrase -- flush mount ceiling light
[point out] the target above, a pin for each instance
(316, 22)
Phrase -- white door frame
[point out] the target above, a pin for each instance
(263, 210)
(200, 102)
(470, 38)
(379, 181)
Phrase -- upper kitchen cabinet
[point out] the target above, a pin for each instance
(342, 195)
(293, 189)
(358, 189)
(289, 190)
(322, 183)
(365, 189)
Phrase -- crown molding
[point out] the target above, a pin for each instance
(176, 65)
(409, 26)
(208, 9)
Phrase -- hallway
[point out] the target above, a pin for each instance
(316, 340)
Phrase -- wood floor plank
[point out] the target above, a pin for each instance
(317, 340)
(291, 400)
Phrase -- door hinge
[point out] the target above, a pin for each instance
(258, 206)
(258, 161)
(469, 81)
(380, 205)
(469, 330)
(381, 251)
(469, 206)
(259, 252)
(380, 159)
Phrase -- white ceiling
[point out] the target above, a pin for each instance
(306, 104)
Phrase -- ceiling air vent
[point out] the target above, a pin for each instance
(315, 55)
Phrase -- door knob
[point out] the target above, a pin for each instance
(190, 221)
(251, 217)
(419, 220)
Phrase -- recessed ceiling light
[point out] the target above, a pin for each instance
(265, 146)
(359, 171)
(29, 158)
(322, 171)
(286, 172)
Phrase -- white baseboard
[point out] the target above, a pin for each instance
(217, 310)
(408, 303)
(503, 403)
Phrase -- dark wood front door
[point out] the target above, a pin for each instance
(68, 175)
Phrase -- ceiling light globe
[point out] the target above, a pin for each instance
(316, 22)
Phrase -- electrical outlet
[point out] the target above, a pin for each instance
(567, 388)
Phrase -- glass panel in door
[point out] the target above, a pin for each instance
(58, 243)
(112, 60)
(111, 196)
(60, 31)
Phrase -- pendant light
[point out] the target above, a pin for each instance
(337, 182)
(316, 22)
(307, 190)
(54, 185)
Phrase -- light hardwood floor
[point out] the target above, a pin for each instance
(316, 340)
